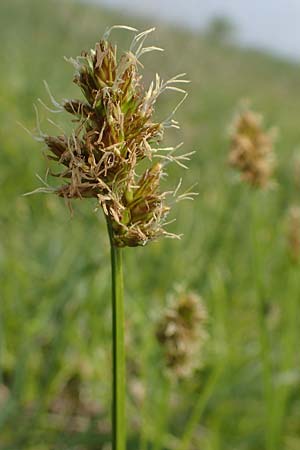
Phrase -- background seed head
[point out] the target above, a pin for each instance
(181, 333)
(251, 150)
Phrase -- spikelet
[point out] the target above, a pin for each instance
(293, 233)
(251, 149)
(116, 131)
(181, 332)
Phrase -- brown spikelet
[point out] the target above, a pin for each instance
(115, 131)
(181, 333)
(251, 150)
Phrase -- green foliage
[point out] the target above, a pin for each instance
(55, 339)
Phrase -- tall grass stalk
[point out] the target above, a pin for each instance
(258, 270)
(221, 229)
(252, 154)
(115, 132)
(163, 414)
(118, 347)
(199, 407)
(289, 347)
(147, 378)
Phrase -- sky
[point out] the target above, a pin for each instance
(269, 24)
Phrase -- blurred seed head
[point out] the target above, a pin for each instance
(251, 150)
(181, 332)
(115, 130)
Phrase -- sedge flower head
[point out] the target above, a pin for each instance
(251, 151)
(115, 131)
(181, 332)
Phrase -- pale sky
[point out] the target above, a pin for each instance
(273, 24)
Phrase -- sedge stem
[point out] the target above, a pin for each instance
(118, 348)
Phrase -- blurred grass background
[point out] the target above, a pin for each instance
(54, 268)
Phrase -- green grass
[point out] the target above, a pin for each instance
(55, 337)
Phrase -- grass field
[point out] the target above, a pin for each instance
(55, 338)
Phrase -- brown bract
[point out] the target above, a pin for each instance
(115, 131)
(251, 149)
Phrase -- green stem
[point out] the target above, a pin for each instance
(199, 408)
(118, 348)
(162, 414)
(289, 345)
(258, 269)
(221, 230)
